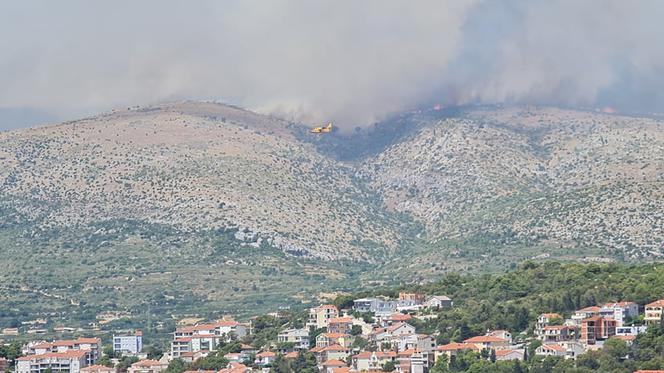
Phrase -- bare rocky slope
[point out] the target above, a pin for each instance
(582, 182)
(213, 202)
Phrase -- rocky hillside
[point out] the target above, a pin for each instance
(200, 203)
(531, 177)
(194, 166)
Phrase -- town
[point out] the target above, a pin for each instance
(373, 334)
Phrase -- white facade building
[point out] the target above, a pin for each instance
(128, 344)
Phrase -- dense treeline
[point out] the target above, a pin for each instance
(514, 299)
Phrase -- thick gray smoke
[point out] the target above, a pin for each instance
(348, 61)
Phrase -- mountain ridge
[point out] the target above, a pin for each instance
(205, 185)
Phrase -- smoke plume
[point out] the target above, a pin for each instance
(352, 62)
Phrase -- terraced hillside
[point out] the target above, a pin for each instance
(197, 207)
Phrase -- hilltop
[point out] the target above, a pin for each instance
(189, 204)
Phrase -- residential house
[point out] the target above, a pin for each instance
(414, 297)
(508, 354)
(375, 305)
(4, 365)
(550, 349)
(368, 360)
(620, 311)
(653, 312)
(628, 339)
(419, 342)
(318, 353)
(597, 328)
(321, 315)
(543, 320)
(328, 339)
(335, 352)
(504, 334)
(205, 337)
(558, 333)
(401, 328)
(10, 331)
(247, 350)
(439, 301)
(71, 361)
(342, 325)
(230, 329)
(235, 368)
(453, 348)
(97, 369)
(224, 330)
(190, 357)
(298, 337)
(395, 318)
(572, 349)
(630, 330)
(265, 358)
(488, 342)
(234, 357)
(585, 313)
(330, 365)
(147, 366)
(128, 343)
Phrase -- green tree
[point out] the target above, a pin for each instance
(176, 366)
(343, 302)
(389, 367)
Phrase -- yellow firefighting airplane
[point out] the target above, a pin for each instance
(326, 129)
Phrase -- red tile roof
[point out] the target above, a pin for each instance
(97, 368)
(558, 348)
(339, 320)
(335, 348)
(657, 303)
(485, 339)
(72, 354)
(335, 335)
(399, 317)
(457, 346)
(334, 363)
(292, 355)
(506, 352)
(235, 368)
(146, 363)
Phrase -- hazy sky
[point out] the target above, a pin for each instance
(349, 61)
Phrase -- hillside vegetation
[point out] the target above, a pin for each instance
(195, 207)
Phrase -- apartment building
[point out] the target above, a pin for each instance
(71, 361)
(298, 337)
(653, 312)
(320, 316)
(128, 343)
(597, 328)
